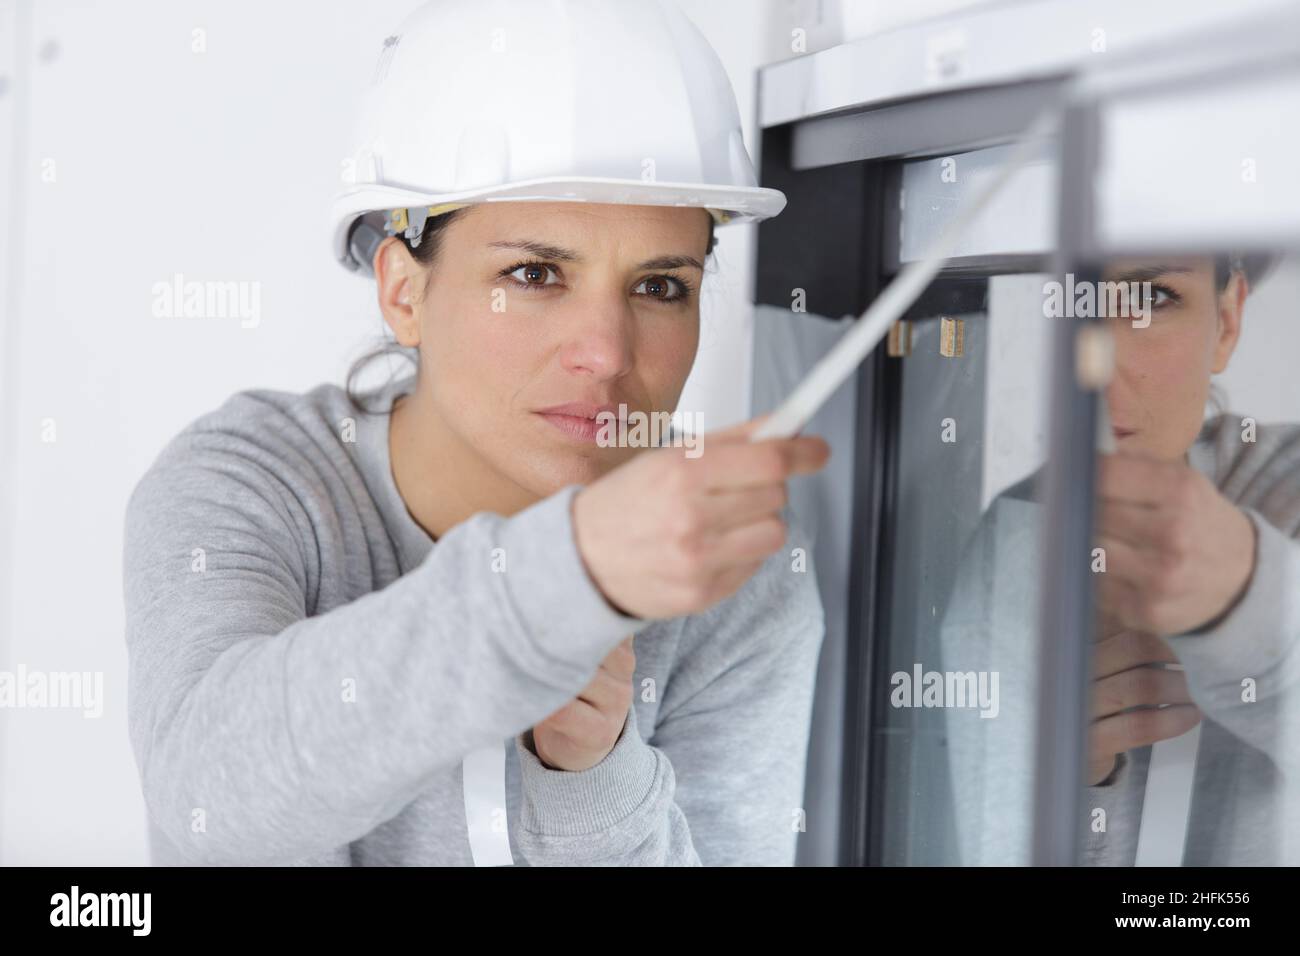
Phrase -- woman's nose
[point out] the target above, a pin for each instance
(599, 340)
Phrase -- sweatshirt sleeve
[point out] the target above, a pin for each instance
(264, 735)
(720, 781)
(1259, 641)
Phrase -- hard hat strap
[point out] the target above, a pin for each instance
(410, 221)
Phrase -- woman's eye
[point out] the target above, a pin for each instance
(534, 274)
(664, 288)
(1159, 297)
(1150, 298)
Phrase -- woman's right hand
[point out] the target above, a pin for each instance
(1121, 681)
(664, 535)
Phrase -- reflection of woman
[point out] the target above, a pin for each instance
(1199, 520)
(329, 610)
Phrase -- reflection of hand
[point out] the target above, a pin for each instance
(583, 731)
(1122, 680)
(1178, 554)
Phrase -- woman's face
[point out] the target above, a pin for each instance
(533, 306)
(1157, 396)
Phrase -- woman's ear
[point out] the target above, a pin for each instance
(1231, 305)
(397, 281)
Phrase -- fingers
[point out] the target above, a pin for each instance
(620, 663)
(1139, 728)
(736, 433)
(1108, 624)
(579, 720)
(1129, 649)
(733, 467)
(665, 534)
(1128, 523)
(1133, 702)
(736, 509)
(610, 688)
(748, 544)
(1122, 600)
(582, 731)
(1138, 687)
(607, 693)
(1100, 766)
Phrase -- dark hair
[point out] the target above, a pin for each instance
(1253, 265)
(426, 253)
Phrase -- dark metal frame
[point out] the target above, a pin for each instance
(875, 474)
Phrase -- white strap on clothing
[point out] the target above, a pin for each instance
(484, 773)
(1167, 805)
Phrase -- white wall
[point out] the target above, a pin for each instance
(215, 165)
(1260, 380)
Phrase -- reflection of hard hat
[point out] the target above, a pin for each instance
(608, 101)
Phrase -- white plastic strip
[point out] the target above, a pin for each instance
(1167, 805)
(484, 773)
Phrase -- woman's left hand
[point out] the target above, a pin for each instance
(583, 731)
(1178, 554)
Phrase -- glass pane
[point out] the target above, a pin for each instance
(958, 723)
(1195, 667)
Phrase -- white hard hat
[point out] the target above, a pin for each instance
(608, 101)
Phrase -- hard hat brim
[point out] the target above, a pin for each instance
(742, 203)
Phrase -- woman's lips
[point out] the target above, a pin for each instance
(1122, 432)
(575, 426)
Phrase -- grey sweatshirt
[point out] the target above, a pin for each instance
(1246, 796)
(308, 668)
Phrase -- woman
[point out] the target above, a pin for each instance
(339, 612)
(1199, 522)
